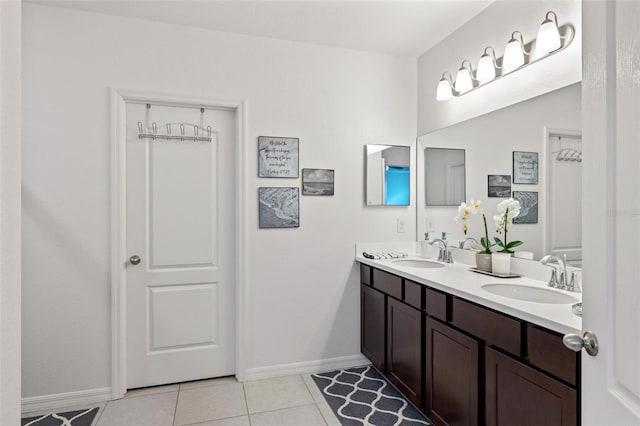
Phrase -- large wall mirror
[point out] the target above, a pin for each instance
(388, 171)
(549, 126)
(444, 176)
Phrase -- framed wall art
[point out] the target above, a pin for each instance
(528, 206)
(277, 157)
(279, 207)
(525, 167)
(499, 186)
(317, 181)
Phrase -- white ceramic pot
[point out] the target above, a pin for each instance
(501, 263)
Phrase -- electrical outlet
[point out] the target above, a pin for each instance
(430, 225)
(401, 227)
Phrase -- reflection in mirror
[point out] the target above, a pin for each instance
(444, 176)
(387, 175)
(552, 223)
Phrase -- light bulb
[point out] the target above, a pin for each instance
(486, 70)
(444, 91)
(513, 54)
(548, 38)
(464, 80)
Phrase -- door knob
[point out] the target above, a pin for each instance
(588, 341)
(135, 259)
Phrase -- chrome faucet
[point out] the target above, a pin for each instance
(463, 242)
(559, 280)
(443, 255)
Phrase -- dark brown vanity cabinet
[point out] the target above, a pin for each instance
(372, 326)
(451, 367)
(462, 363)
(404, 352)
(516, 394)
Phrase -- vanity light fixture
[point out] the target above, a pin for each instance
(487, 66)
(551, 40)
(548, 38)
(513, 53)
(445, 87)
(464, 78)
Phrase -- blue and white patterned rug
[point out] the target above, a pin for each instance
(69, 418)
(361, 396)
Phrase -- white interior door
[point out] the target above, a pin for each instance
(564, 196)
(180, 223)
(611, 211)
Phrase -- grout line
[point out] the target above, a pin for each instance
(246, 403)
(175, 409)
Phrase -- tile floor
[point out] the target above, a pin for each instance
(282, 401)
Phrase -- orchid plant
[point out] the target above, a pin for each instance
(507, 210)
(464, 215)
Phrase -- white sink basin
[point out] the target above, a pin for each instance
(530, 294)
(417, 263)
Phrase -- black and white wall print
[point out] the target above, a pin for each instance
(277, 157)
(528, 206)
(279, 207)
(317, 181)
(499, 186)
(525, 167)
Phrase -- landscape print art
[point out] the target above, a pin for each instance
(317, 182)
(279, 207)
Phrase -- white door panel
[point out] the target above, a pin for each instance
(611, 211)
(181, 296)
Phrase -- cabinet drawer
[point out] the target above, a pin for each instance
(365, 274)
(413, 294)
(547, 352)
(436, 304)
(387, 283)
(492, 327)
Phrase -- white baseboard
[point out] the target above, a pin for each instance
(65, 400)
(306, 367)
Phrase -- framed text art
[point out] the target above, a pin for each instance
(525, 167)
(277, 157)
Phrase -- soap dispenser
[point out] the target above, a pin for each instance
(425, 246)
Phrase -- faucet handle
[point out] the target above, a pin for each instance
(553, 281)
(574, 285)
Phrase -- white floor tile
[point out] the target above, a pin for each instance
(233, 421)
(307, 415)
(151, 390)
(328, 414)
(210, 403)
(208, 382)
(149, 410)
(274, 394)
(313, 388)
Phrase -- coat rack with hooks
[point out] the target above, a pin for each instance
(200, 134)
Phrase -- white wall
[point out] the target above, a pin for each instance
(10, 166)
(303, 284)
(489, 142)
(493, 27)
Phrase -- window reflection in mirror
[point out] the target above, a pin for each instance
(444, 176)
(387, 181)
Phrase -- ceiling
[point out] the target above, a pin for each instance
(406, 28)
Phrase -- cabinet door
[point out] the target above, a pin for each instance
(451, 384)
(372, 326)
(404, 349)
(516, 394)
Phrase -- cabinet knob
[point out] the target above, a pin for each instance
(588, 341)
(135, 259)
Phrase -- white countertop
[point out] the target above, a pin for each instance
(458, 280)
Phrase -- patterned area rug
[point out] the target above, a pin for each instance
(69, 418)
(361, 396)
